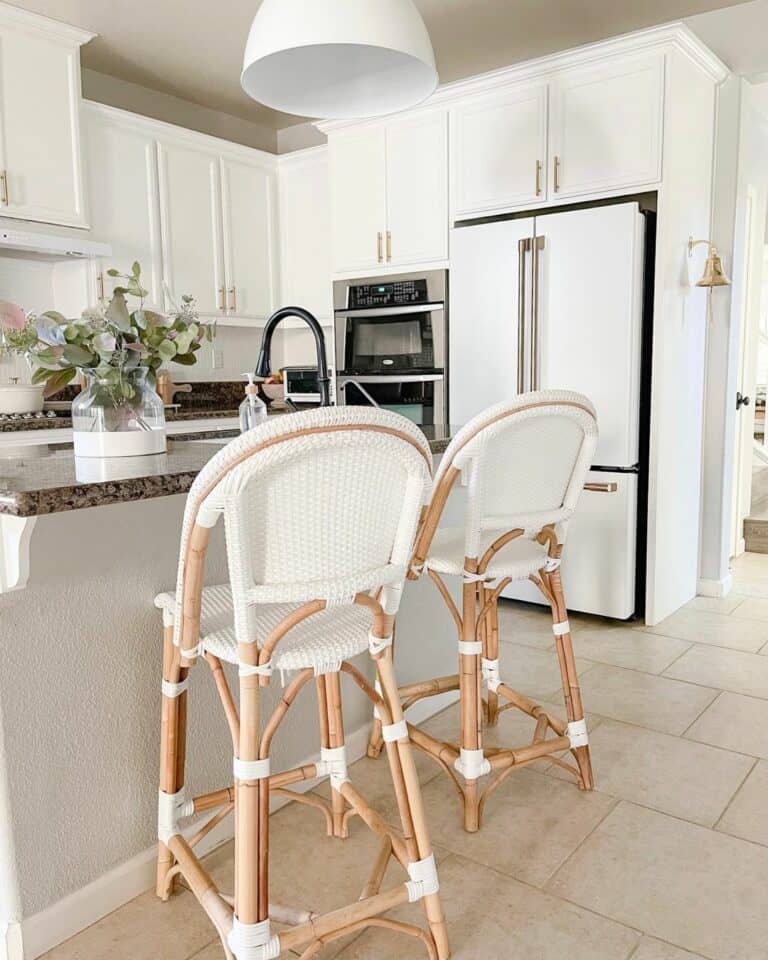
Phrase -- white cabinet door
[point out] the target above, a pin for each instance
(190, 214)
(249, 223)
(358, 199)
(417, 190)
(488, 263)
(305, 234)
(605, 126)
(40, 129)
(122, 186)
(499, 150)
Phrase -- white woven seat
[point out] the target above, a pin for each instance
(517, 560)
(334, 634)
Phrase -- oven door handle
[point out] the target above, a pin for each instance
(390, 311)
(346, 383)
(394, 378)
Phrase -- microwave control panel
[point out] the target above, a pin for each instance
(400, 292)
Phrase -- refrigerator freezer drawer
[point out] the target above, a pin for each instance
(600, 552)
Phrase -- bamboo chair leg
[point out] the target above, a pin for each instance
(251, 824)
(571, 689)
(470, 701)
(403, 770)
(336, 739)
(491, 644)
(173, 736)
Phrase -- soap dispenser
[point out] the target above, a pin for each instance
(253, 410)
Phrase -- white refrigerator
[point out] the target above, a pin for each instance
(555, 301)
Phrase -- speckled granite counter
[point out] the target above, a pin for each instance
(37, 479)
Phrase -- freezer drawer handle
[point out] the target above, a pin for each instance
(601, 487)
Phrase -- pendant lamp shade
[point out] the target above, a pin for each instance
(338, 59)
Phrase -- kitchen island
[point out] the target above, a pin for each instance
(86, 545)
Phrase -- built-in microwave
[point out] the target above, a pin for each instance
(391, 338)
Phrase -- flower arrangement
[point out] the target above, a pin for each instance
(109, 341)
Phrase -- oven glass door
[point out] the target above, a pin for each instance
(421, 401)
(388, 343)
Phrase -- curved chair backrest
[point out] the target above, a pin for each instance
(524, 463)
(320, 505)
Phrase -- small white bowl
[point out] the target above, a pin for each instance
(21, 397)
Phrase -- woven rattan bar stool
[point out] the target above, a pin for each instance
(320, 510)
(524, 464)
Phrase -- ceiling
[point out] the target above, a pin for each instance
(193, 49)
(738, 36)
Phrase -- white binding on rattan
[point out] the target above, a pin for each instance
(576, 731)
(423, 878)
(491, 674)
(333, 764)
(392, 732)
(560, 629)
(552, 564)
(472, 764)
(377, 645)
(173, 690)
(470, 648)
(172, 807)
(525, 463)
(253, 941)
(251, 769)
(255, 669)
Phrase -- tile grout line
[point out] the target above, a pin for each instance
(733, 798)
(696, 719)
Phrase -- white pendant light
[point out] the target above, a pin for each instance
(338, 59)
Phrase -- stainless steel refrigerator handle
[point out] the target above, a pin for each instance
(523, 246)
(360, 387)
(537, 245)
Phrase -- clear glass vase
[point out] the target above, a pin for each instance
(118, 415)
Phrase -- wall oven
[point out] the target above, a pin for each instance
(391, 342)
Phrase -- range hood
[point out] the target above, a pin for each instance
(38, 242)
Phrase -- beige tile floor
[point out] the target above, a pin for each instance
(666, 860)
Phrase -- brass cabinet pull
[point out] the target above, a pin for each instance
(4, 184)
(379, 247)
(221, 303)
(602, 487)
(538, 177)
(100, 287)
(389, 246)
(233, 299)
(557, 174)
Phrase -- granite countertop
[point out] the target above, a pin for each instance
(37, 479)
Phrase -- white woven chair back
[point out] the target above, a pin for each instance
(524, 463)
(319, 505)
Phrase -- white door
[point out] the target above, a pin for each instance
(305, 234)
(487, 306)
(122, 186)
(599, 556)
(40, 129)
(358, 199)
(499, 151)
(605, 126)
(190, 214)
(249, 222)
(589, 318)
(417, 190)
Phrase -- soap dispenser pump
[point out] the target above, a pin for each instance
(253, 410)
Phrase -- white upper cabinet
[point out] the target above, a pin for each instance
(358, 198)
(606, 126)
(40, 165)
(305, 233)
(417, 190)
(389, 194)
(248, 193)
(122, 188)
(190, 206)
(499, 150)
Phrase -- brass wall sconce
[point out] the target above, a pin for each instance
(714, 275)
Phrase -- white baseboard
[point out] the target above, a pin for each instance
(11, 944)
(67, 917)
(714, 588)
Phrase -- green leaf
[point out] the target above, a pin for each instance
(185, 359)
(135, 288)
(55, 316)
(77, 356)
(167, 349)
(113, 273)
(60, 379)
(136, 268)
(117, 312)
(153, 319)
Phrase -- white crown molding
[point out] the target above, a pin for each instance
(297, 158)
(36, 23)
(667, 37)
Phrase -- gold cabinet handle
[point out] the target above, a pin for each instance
(557, 174)
(389, 246)
(4, 185)
(233, 299)
(379, 250)
(221, 303)
(539, 166)
(100, 287)
(602, 487)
